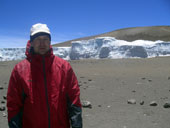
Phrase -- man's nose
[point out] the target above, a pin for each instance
(42, 42)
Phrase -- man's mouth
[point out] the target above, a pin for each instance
(42, 48)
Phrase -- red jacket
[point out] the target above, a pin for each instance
(43, 92)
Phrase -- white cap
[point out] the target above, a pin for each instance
(37, 28)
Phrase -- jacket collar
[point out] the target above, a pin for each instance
(36, 60)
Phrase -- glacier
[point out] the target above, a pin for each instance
(100, 47)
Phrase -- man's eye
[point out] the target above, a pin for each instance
(37, 40)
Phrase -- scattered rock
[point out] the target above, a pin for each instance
(3, 102)
(86, 104)
(80, 84)
(153, 103)
(131, 101)
(108, 106)
(143, 78)
(142, 102)
(4, 114)
(169, 78)
(89, 79)
(2, 108)
(134, 91)
(5, 97)
(99, 105)
(1, 88)
(164, 98)
(85, 82)
(150, 80)
(167, 105)
(81, 76)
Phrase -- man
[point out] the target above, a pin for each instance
(43, 90)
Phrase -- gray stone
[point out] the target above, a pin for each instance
(99, 105)
(131, 101)
(167, 105)
(5, 97)
(150, 80)
(2, 108)
(4, 114)
(86, 104)
(153, 103)
(3, 102)
(80, 84)
(1, 87)
(142, 102)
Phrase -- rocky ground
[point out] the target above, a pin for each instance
(120, 93)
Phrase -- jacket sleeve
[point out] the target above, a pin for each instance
(73, 100)
(14, 102)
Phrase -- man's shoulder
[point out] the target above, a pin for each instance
(23, 64)
(61, 62)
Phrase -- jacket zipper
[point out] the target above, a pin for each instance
(46, 93)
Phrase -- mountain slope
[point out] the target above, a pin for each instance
(152, 33)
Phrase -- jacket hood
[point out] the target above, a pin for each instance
(30, 51)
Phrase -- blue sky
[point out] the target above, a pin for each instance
(71, 19)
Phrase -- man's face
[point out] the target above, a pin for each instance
(41, 44)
